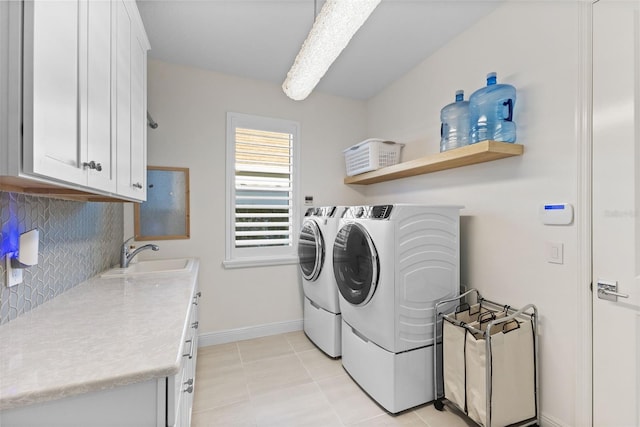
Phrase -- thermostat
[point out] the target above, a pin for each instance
(556, 214)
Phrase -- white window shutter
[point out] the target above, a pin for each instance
(261, 196)
(263, 188)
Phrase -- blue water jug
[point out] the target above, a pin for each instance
(491, 110)
(455, 123)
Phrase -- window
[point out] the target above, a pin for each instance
(261, 191)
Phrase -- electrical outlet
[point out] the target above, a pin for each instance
(14, 275)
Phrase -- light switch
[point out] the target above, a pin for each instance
(555, 252)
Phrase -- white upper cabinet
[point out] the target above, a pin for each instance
(139, 113)
(84, 96)
(98, 141)
(131, 104)
(51, 110)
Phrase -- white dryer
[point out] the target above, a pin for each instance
(322, 320)
(392, 264)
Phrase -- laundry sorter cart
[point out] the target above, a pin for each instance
(486, 364)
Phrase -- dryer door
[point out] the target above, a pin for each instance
(355, 264)
(310, 250)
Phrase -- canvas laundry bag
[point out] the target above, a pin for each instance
(453, 353)
(453, 364)
(512, 374)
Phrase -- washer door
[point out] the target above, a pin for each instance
(355, 264)
(310, 250)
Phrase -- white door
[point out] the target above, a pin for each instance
(616, 212)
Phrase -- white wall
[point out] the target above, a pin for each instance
(190, 106)
(534, 46)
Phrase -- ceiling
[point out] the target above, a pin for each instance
(259, 39)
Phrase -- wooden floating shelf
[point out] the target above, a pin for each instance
(485, 151)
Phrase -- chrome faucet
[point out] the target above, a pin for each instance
(126, 256)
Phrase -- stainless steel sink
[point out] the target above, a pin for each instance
(174, 265)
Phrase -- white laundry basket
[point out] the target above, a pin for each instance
(371, 154)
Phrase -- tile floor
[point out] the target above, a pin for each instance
(284, 380)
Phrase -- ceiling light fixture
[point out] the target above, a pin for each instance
(332, 30)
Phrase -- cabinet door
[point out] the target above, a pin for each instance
(96, 126)
(122, 105)
(51, 141)
(139, 115)
(130, 104)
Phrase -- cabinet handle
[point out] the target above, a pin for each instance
(188, 389)
(188, 382)
(195, 298)
(190, 354)
(92, 165)
(194, 325)
(137, 185)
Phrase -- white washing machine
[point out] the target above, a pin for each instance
(322, 320)
(392, 264)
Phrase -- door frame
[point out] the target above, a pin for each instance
(583, 414)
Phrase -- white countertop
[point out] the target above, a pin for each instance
(103, 333)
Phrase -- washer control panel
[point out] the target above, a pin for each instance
(381, 211)
(368, 212)
(325, 211)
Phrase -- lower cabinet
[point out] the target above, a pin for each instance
(161, 402)
(180, 387)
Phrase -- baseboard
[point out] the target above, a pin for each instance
(548, 421)
(233, 335)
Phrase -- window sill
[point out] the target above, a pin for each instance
(259, 262)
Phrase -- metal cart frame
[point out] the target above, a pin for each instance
(529, 312)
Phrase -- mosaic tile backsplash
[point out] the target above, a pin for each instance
(77, 241)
